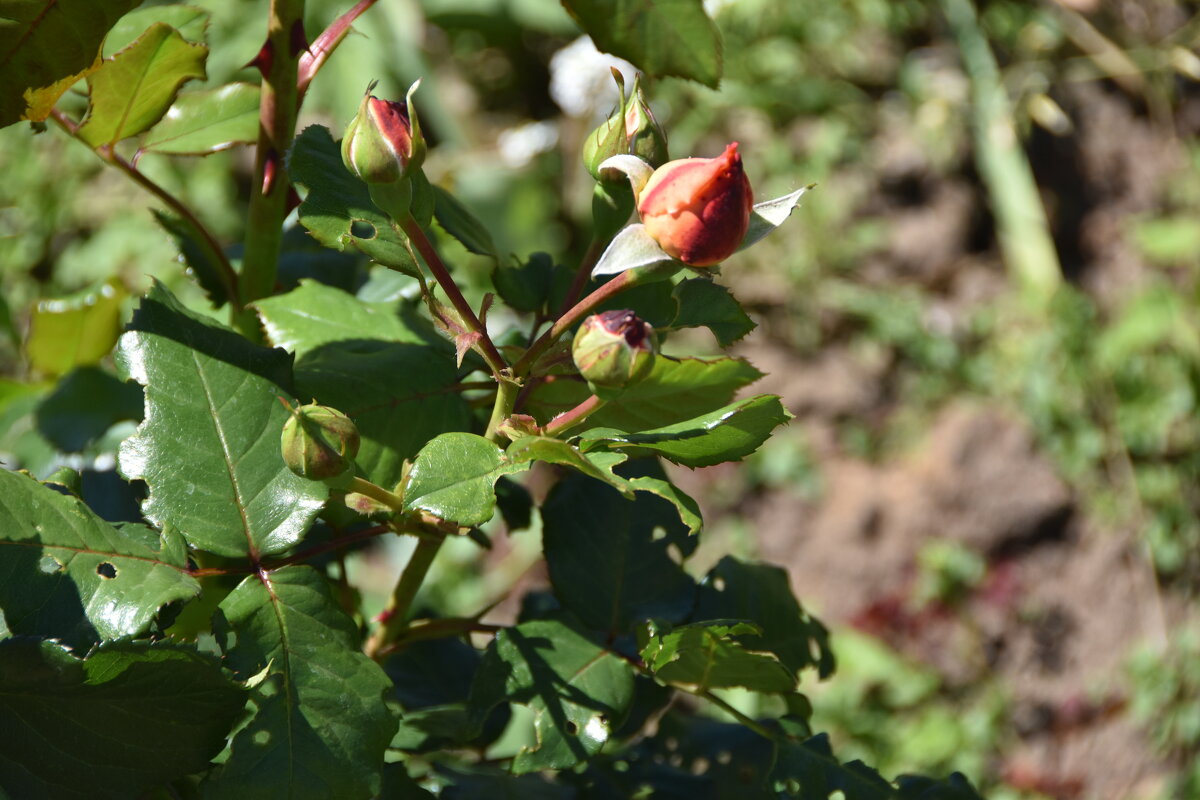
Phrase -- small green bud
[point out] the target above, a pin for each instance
(631, 130)
(383, 143)
(613, 349)
(646, 138)
(319, 442)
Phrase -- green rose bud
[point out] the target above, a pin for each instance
(383, 143)
(646, 138)
(631, 130)
(319, 442)
(613, 349)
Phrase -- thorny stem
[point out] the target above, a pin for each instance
(225, 271)
(395, 616)
(269, 190)
(569, 419)
(488, 350)
(583, 274)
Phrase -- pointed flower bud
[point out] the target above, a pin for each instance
(613, 348)
(383, 143)
(319, 442)
(698, 209)
(631, 130)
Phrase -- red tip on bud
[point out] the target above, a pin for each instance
(613, 348)
(698, 209)
(383, 143)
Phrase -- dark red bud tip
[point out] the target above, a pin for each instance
(625, 324)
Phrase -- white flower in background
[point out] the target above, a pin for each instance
(519, 145)
(581, 80)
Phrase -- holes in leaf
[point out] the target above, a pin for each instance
(49, 565)
(700, 766)
(361, 229)
(718, 583)
(658, 534)
(572, 728)
(262, 738)
(106, 570)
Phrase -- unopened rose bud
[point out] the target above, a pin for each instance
(645, 137)
(614, 348)
(698, 209)
(383, 143)
(631, 130)
(319, 442)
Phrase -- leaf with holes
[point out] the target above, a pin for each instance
(727, 434)
(45, 47)
(707, 655)
(200, 123)
(127, 719)
(317, 722)
(578, 691)
(337, 210)
(454, 478)
(67, 574)
(209, 446)
(659, 37)
(132, 91)
(608, 557)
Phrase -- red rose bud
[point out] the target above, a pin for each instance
(614, 348)
(698, 209)
(383, 143)
(319, 442)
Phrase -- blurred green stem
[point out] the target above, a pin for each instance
(1021, 224)
(279, 60)
(395, 616)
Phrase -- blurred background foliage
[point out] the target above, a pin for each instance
(893, 267)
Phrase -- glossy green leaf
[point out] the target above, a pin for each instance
(133, 90)
(770, 214)
(66, 573)
(760, 592)
(209, 447)
(314, 314)
(579, 692)
(703, 303)
(659, 37)
(200, 123)
(198, 257)
(337, 210)
(130, 717)
(84, 405)
(525, 285)
(317, 723)
(453, 478)
(74, 331)
(190, 21)
(45, 47)
(463, 225)
(706, 655)
(728, 434)
(609, 558)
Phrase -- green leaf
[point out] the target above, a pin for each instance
(770, 214)
(453, 478)
(66, 573)
(608, 562)
(200, 123)
(399, 395)
(578, 691)
(85, 404)
(45, 47)
(337, 210)
(460, 223)
(130, 717)
(659, 37)
(132, 91)
(675, 388)
(728, 434)
(199, 260)
(525, 285)
(705, 655)
(705, 303)
(190, 21)
(209, 448)
(314, 314)
(812, 767)
(74, 331)
(760, 592)
(318, 724)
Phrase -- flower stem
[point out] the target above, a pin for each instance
(506, 398)
(487, 348)
(583, 274)
(270, 187)
(377, 493)
(569, 419)
(395, 616)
